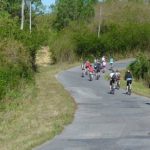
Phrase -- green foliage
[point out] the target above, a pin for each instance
(87, 44)
(18, 48)
(72, 10)
(141, 68)
(62, 47)
(13, 7)
(124, 38)
(15, 66)
(32, 41)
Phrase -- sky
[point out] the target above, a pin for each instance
(48, 2)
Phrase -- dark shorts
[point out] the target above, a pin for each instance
(129, 82)
(112, 82)
(97, 70)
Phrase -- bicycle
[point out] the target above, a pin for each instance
(112, 91)
(117, 84)
(129, 89)
(83, 73)
(111, 66)
(91, 76)
(97, 74)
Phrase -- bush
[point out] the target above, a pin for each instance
(63, 47)
(141, 68)
(15, 65)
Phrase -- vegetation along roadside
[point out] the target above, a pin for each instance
(38, 117)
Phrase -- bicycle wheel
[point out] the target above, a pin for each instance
(129, 89)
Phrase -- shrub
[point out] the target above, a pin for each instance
(141, 68)
(15, 65)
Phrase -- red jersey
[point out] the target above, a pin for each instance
(91, 69)
(87, 64)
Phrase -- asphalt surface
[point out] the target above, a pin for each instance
(103, 121)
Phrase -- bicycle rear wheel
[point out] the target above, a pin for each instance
(129, 90)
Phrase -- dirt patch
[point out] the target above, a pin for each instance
(43, 57)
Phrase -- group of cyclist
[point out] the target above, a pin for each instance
(115, 81)
(100, 65)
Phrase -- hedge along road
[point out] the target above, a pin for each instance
(103, 121)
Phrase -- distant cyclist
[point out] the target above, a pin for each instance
(91, 72)
(83, 68)
(98, 66)
(128, 78)
(103, 66)
(83, 65)
(112, 80)
(117, 79)
(91, 69)
(87, 65)
(111, 61)
(103, 59)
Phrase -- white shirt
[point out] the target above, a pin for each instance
(103, 58)
(104, 63)
(111, 74)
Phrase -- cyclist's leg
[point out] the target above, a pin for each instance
(110, 87)
(113, 87)
(130, 83)
(127, 87)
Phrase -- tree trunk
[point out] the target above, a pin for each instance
(30, 17)
(22, 14)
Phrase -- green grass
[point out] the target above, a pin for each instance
(40, 113)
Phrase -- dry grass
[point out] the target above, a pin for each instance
(123, 12)
(42, 112)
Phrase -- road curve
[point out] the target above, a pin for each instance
(103, 121)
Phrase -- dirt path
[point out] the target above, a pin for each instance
(43, 57)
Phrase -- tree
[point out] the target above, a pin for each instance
(71, 10)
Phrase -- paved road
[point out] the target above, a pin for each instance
(103, 121)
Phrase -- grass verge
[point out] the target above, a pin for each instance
(41, 112)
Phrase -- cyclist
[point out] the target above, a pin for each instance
(118, 78)
(87, 65)
(103, 59)
(112, 80)
(97, 69)
(95, 60)
(91, 69)
(111, 61)
(95, 63)
(83, 68)
(83, 65)
(128, 78)
(91, 72)
(103, 66)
